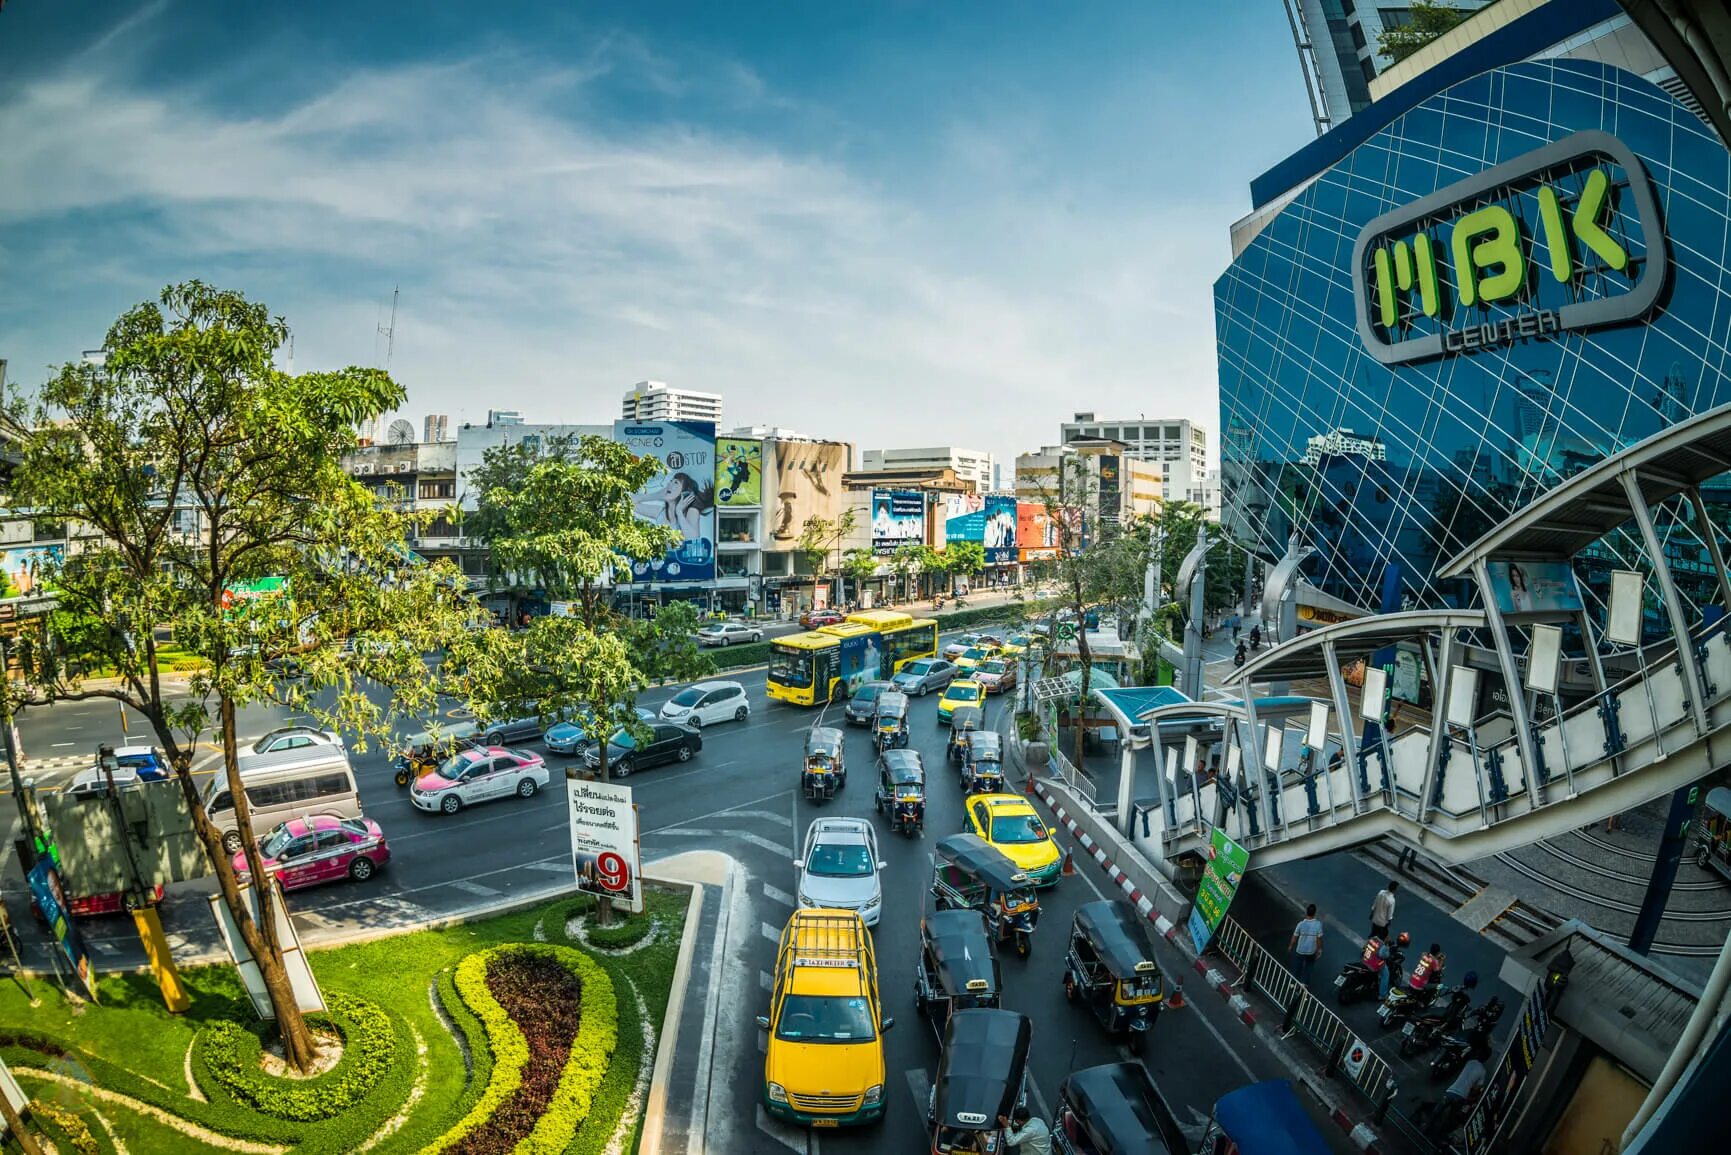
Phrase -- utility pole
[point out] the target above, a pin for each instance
(33, 840)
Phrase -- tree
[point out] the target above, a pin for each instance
(506, 467)
(1429, 20)
(1079, 569)
(819, 536)
(967, 558)
(1223, 584)
(857, 565)
(188, 419)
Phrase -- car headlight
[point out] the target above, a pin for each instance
(873, 901)
(777, 1093)
(806, 899)
(874, 1094)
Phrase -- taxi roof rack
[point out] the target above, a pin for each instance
(825, 939)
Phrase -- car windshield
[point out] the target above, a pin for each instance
(993, 667)
(825, 1019)
(623, 740)
(790, 668)
(356, 827)
(1013, 828)
(839, 860)
(868, 693)
(276, 842)
(919, 668)
(974, 654)
(964, 694)
(452, 768)
(687, 697)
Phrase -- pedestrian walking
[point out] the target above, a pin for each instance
(1306, 944)
(1382, 910)
(1235, 626)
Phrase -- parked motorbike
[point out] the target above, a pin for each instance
(1357, 982)
(1422, 1032)
(1475, 1028)
(1404, 1003)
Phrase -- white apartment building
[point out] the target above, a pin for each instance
(659, 401)
(1343, 443)
(1179, 446)
(970, 464)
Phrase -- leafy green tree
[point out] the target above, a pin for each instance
(506, 467)
(1067, 495)
(819, 537)
(967, 558)
(859, 565)
(189, 418)
(1429, 20)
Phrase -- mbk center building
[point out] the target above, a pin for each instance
(1518, 274)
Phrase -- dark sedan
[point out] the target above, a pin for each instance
(862, 704)
(626, 755)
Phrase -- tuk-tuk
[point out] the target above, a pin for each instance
(958, 969)
(825, 769)
(983, 764)
(1713, 832)
(968, 873)
(1111, 968)
(424, 753)
(964, 720)
(1262, 1119)
(1114, 1108)
(901, 792)
(890, 724)
(982, 1077)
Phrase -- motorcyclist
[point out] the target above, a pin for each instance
(1256, 637)
(1238, 657)
(1429, 969)
(1382, 957)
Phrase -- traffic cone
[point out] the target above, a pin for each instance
(1175, 1000)
(1028, 786)
(1069, 865)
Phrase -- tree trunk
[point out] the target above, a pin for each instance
(603, 904)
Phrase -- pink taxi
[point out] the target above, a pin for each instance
(323, 848)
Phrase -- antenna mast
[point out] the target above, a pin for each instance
(389, 332)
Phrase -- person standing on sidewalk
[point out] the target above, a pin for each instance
(1382, 910)
(1306, 944)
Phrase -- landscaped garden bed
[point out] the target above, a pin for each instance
(494, 1036)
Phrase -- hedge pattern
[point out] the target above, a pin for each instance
(230, 1055)
(65, 1125)
(591, 1051)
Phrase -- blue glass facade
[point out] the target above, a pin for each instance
(1379, 465)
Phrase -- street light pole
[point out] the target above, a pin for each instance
(33, 836)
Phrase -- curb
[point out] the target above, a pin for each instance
(655, 1105)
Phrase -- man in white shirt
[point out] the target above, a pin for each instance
(1028, 1135)
(1382, 911)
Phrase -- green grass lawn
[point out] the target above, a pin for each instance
(131, 1045)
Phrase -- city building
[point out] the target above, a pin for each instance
(1210, 502)
(503, 417)
(659, 401)
(1384, 416)
(973, 465)
(1339, 51)
(1119, 486)
(435, 427)
(417, 478)
(1177, 445)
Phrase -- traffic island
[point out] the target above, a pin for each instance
(428, 1041)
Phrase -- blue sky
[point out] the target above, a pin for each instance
(891, 223)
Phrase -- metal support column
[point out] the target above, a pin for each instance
(1512, 686)
(1441, 677)
(1664, 869)
(1693, 683)
(1709, 534)
(1254, 767)
(1348, 740)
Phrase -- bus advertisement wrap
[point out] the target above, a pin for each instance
(682, 495)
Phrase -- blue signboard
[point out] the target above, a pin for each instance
(998, 532)
(45, 888)
(682, 495)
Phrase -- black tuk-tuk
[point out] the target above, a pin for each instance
(969, 873)
(964, 720)
(983, 764)
(825, 769)
(958, 969)
(1713, 832)
(901, 793)
(890, 723)
(1112, 1108)
(982, 1077)
(424, 753)
(1111, 968)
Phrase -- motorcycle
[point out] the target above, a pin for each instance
(1423, 1032)
(1475, 1029)
(1404, 1003)
(1357, 981)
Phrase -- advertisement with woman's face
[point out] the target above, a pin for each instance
(681, 497)
(1534, 587)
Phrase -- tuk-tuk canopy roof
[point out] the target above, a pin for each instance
(1267, 1119)
(1719, 800)
(904, 766)
(1117, 1106)
(962, 951)
(980, 1075)
(1118, 935)
(983, 860)
(893, 704)
(824, 740)
(985, 746)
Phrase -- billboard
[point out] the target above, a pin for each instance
(964, 518)
(1000, 530)
(50, 896)
(897, 519)
(738, 471)
(1227, 862)
(1111, 486)
(604, 850)
(306, 990)
(1036, 532)
(807, 485)
(24, 565)
(1534, 587)
(681, 495)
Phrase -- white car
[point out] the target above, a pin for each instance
(839, 869)
(707, 702)
(479, 774)
(727, 633)
(295, 737)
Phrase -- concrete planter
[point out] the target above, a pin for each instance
(1036, 753)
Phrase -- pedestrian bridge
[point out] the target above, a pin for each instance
(1642, 709)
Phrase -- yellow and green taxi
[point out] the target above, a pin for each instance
(1012, 825)
(961, 692)
(824, 1064)
(1015, 644)
(971, 657)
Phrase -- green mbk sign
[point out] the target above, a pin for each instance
(1566, 237)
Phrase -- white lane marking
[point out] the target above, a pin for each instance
(473, 888)
(775, 848)
(780, 1132)
(767, 815)
(776, 894)
(104, 946)
(770, 933)
(920, 1084)
(550, 867)
(59, 744)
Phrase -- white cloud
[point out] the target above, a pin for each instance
(550, 257)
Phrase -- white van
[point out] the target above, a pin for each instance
(285, 784)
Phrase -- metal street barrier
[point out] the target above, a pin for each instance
(1077, 780)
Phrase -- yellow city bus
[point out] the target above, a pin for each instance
(827, 663)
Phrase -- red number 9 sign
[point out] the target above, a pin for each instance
(612, 872)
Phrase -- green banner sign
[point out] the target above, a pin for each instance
(1225, 870)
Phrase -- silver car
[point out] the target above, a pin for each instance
(839, 869)
(923, 675)
(727, 633)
